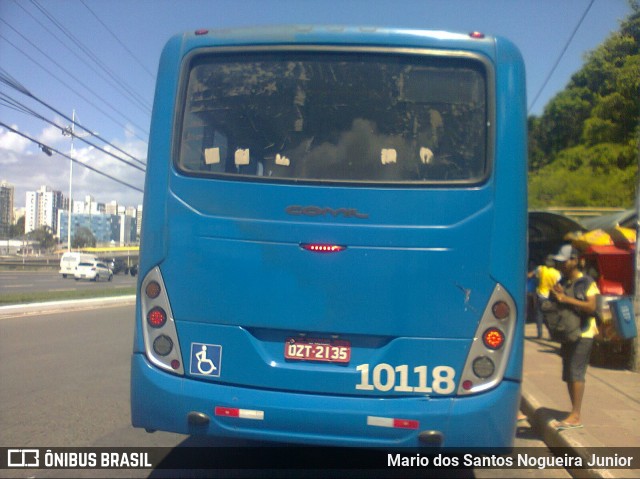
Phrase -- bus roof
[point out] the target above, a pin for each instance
(339, 35)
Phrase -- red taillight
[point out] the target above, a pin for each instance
(156, 317)
(202, 31)
(501, 310)
(493, 338)
(323, 248)
(477, 35)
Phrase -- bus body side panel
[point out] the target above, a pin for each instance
(153, 234)
(509, 250)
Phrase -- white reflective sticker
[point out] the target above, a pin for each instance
(251, 414)
(388, 155)
(242, 157)
(426, 155)
(379, 421)
(212, 156)
(282, 160)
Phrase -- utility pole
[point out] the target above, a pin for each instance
(70, 131)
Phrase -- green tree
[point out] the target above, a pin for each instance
(83, 238)
(583, 149)
(17, 230)
(44, 237)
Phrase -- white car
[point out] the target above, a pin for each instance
(70, 261)
(93, 271)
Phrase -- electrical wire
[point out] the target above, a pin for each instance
(564, 50)
(15, 104)
(74, 53)
(117, 39)
(77, 80)
(48, 149)
(135, 97)
(19, 87)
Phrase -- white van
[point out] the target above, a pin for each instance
(70, 261)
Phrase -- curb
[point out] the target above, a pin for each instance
(538, 408)
(16, 310)
(580, 441)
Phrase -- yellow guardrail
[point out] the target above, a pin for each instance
(103, 249)
(582, 212)
(112, 249)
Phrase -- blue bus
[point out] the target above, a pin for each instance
(334, 239)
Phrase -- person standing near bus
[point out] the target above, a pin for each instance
(547, 277)
(578, 292)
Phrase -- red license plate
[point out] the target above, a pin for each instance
(325, 350)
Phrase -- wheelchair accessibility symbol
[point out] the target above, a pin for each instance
(205, 359)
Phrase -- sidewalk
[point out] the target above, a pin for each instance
(610, 409)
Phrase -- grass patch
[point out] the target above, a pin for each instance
(45, 296)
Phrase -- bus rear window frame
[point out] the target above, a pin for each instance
(226, 51)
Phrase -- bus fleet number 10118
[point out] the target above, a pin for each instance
(385, 377)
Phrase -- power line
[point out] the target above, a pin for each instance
(47, 149)
(555, 65)
(71, 50)
(13, 103)
(73, 77)
(117, 39)
(135, 97)
(26, 92)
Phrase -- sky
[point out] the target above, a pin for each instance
(99, 59)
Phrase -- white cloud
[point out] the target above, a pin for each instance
(12, 142)
(52, 135)
(27, 171)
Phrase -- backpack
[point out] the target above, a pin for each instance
(563, 321)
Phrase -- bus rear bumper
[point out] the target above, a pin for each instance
(161, 401)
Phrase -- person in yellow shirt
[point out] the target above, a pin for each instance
(577, 291)
(547, 277)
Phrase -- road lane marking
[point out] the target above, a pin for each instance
(34, 309)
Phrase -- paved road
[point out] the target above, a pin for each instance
(65, 383)
(38, 281)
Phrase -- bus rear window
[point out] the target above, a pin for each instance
(335, 117)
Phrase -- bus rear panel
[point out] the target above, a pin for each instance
(333, 247)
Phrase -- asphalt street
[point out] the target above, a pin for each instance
(38, 281)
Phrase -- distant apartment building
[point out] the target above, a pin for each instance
(111, 208)
(106, 228)
(100, 225)
(127, 226)
(6, 208)
(89, 206)
(109, 223)
(42, 209)
(138, 222)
